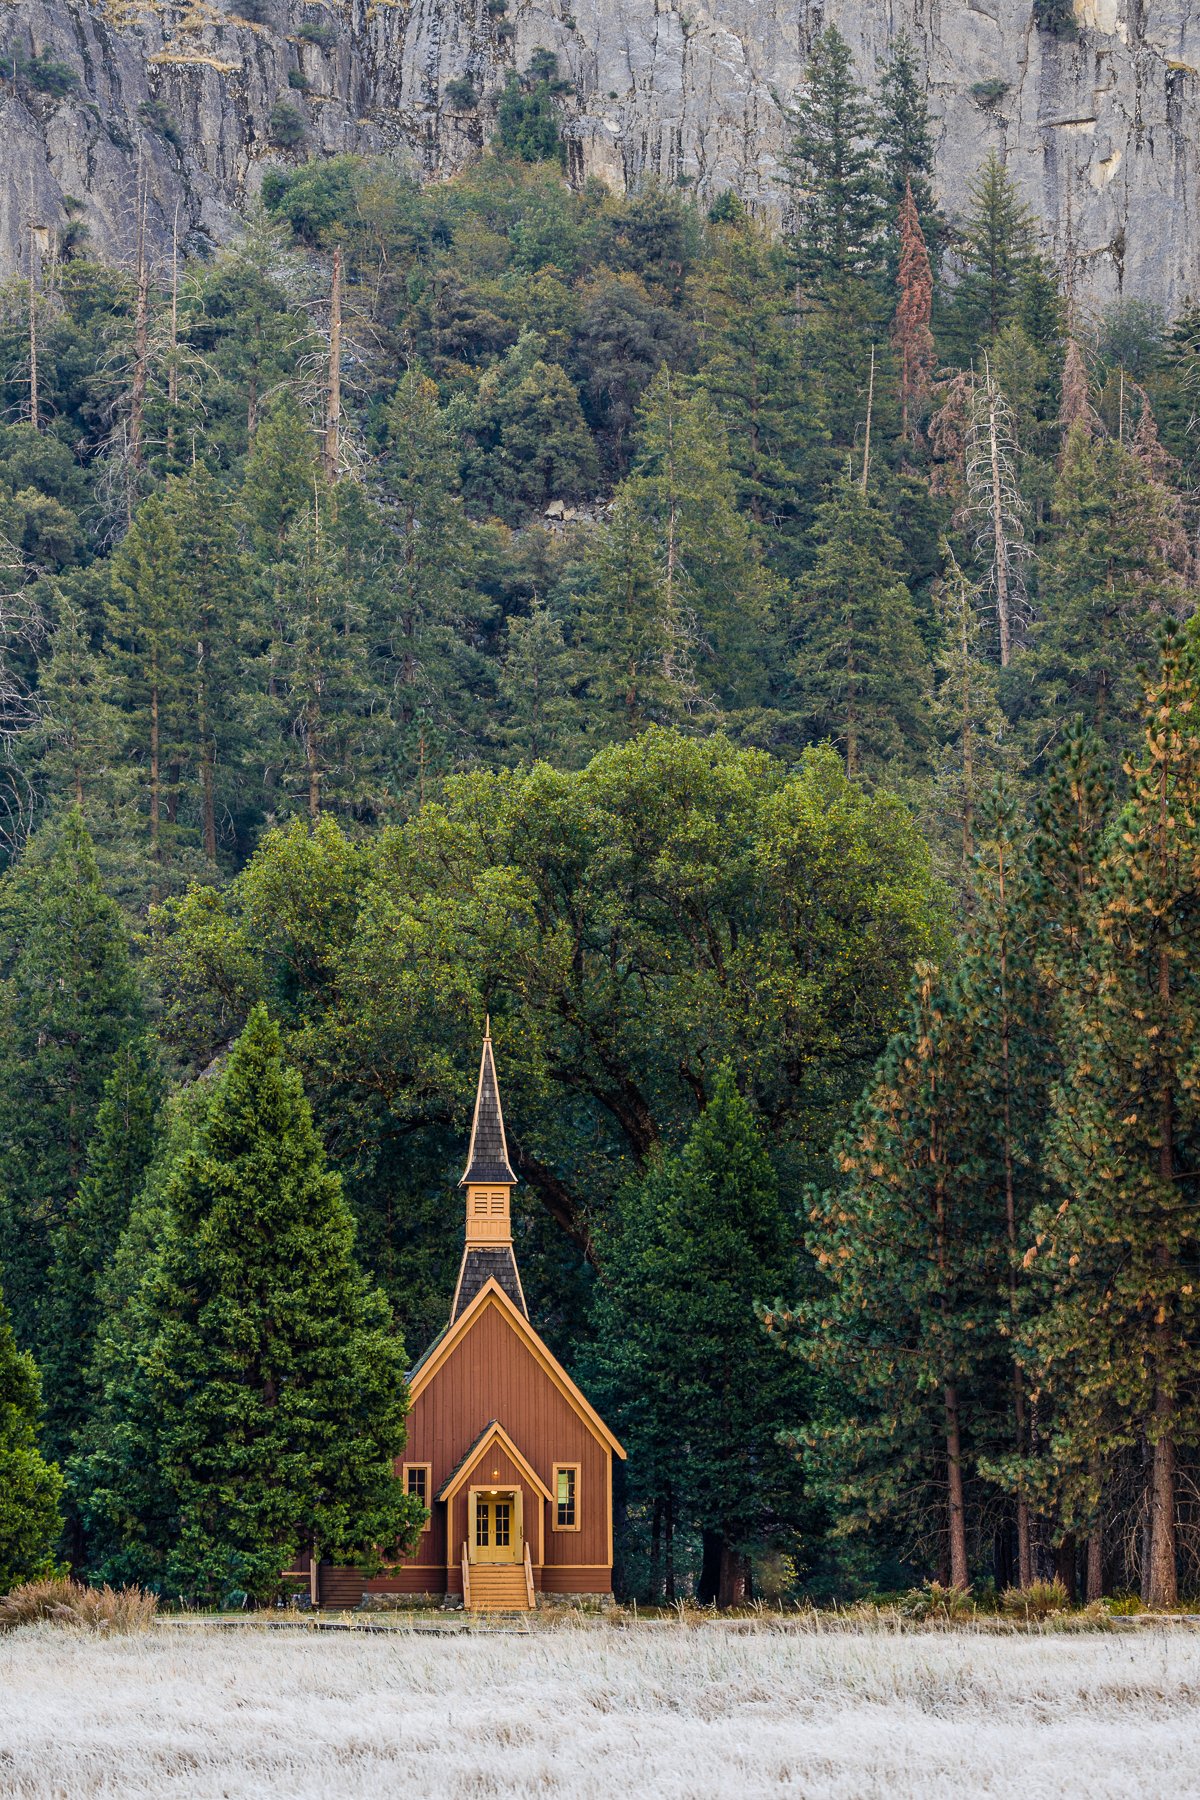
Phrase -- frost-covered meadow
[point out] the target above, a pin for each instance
(669, 1712)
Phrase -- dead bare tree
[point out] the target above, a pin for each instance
(996, 510)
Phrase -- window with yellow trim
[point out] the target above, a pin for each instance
(418, 1482)
(566, 1496)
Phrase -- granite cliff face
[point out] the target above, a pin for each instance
(1102, 132)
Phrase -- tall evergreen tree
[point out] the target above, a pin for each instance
(904, 145)
(898, 1326)
(86, 1241)
(684, 1369)
(29, 1486)
(1118, 1344)
(69, 1002)
(996, 251)
(279, 1384)
(862, 678)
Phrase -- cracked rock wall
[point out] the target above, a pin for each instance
(1102, 133)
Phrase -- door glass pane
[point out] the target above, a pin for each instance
(503, 1512)
(481, 1525)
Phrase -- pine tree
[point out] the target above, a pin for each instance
(29, 1486)
(685, 1371)
(967, 715)
(279, 1385)
(912, 337)
(1001, 995)
(212, 582)
(1106, 584)
(897, 1328)
(69, 1002)
(861, 674)
(637, 651)
(1118, 1345)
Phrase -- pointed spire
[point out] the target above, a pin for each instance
(487, 1159)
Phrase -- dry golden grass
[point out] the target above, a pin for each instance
(60, 1601)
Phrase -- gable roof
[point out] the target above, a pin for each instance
(493, 1433)
(492, 1294)
(487, 1158)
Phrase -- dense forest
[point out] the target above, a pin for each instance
(752, 667)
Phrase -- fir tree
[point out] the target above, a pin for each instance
(904, 145)
(911, 334)
(834, 174)
(861, 675)
(86, 1241)
(70, 1002)
(710, 570)
(535, 684)
(29, 1486)
(279, 1385)
(996, 253)
(686, 1373)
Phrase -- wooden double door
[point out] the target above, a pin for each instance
(495, 1526)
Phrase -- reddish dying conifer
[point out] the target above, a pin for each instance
(911, 332)
(1076, 407)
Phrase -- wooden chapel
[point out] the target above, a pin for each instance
(511, 1461)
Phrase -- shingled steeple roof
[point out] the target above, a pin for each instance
(487, 1159)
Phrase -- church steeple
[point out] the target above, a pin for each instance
(489, 1181)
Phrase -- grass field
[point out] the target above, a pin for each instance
(667, 1712)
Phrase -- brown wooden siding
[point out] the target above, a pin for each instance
(491, 1374)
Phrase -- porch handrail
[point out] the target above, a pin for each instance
(466, 1568)
(528, 1576)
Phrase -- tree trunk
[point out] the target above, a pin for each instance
(1161, 1586)
(656, 1585)
(155, 784)
(1065, 1565)
(1095, 1565)
(137, 397)
(734, 1585)
(1003, 612)
(333, 402)
(708, 1588)
(956, 1517)
(669, 1547)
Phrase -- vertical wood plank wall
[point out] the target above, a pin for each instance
(492, 1375)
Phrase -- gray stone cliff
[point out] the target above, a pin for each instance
(1102, 132)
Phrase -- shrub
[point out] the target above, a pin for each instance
(255, 12)
(461, 94)
(1057, 17)
(49, 76)
(313, 32)
(1040, 1600)
(60, 1601)
(933, 1600)
(298, 79)
(154, 114)
(988, 92)
(496, 9)
(285, 127)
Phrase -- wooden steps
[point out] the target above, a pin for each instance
(498, 1587)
